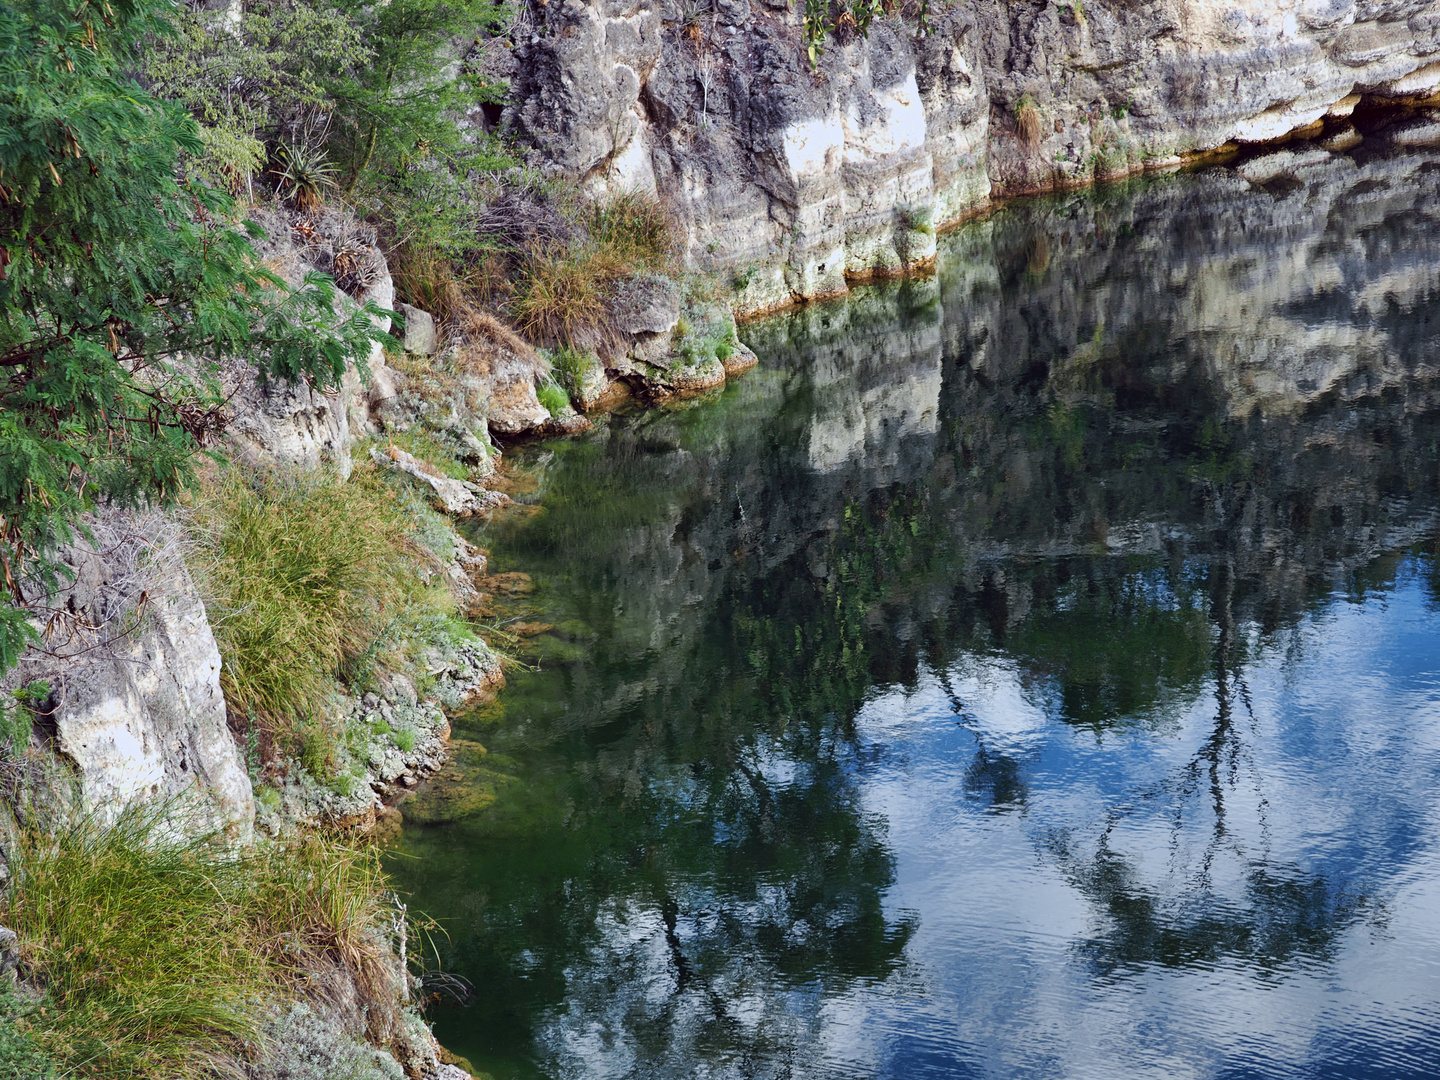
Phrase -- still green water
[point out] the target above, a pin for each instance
(1028, 672)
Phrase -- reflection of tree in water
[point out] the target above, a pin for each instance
(698, 874)
(1284, 911)
(779, 905)
(712, 882)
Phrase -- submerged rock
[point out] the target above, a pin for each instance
(464, 788)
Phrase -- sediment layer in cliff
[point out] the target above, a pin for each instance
(796, 181)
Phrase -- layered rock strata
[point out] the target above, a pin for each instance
(796, 181)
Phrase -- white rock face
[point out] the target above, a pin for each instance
(295, 423)
(136, 707)
(151, 723)
(799, 181)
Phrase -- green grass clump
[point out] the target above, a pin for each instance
(553, 398)
(301, 575)
(160, 957)
(405, 739)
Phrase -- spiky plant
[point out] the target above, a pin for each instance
(304, 174)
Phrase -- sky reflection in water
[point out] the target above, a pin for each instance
(1030, 672)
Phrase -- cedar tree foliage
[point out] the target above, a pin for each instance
(123, 289)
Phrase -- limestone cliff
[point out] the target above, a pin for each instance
(135, 709)
(795, 181)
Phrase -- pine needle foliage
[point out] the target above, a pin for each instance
(122, 288)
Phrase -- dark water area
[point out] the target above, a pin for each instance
(1028, 672)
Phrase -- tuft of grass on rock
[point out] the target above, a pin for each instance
(554, 400)
(301, 576)
(1029, 124)
(560, 296)
(160, 956)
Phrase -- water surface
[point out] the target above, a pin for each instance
(1028, 672)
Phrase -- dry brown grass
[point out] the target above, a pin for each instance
(560, 297)
(1029, 124)
(548, 259)
(426, 278)
(491, 345)
(329, 910)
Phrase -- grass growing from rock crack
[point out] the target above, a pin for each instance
(1029, 124)
(561, 279)
(160, 958)
(301, 576)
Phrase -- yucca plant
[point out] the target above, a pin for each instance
(813, 30)
(303, 174)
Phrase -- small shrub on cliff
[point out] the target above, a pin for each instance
(161, 957)
(303, 174)
(813, 29)
(301, 575)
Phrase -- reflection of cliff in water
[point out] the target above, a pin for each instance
(1123, 441)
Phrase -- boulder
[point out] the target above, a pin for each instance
(9, 954)
(458, 497)
(419, 330)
